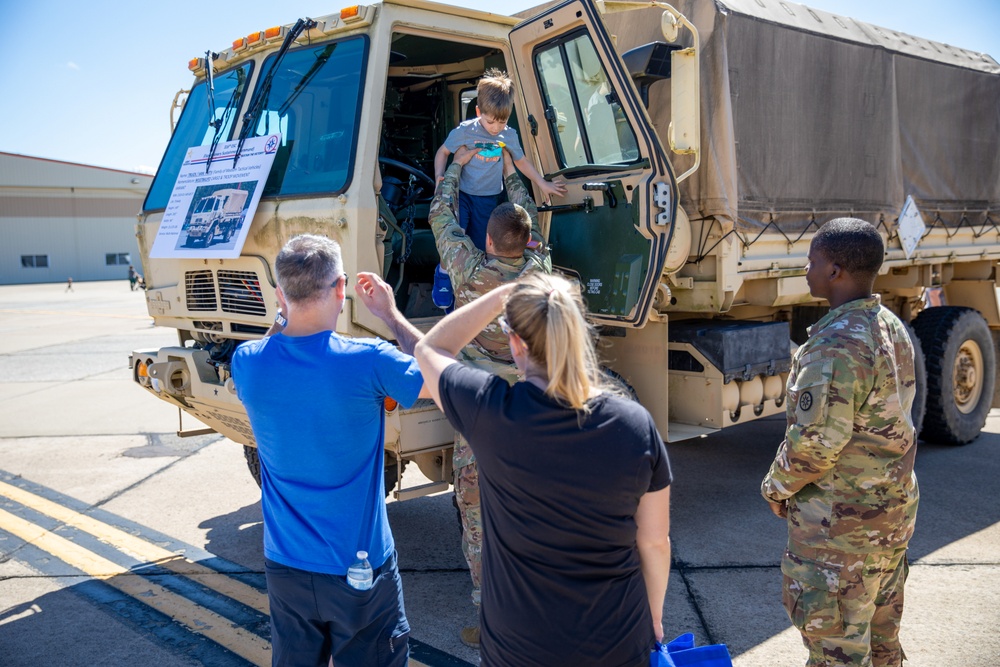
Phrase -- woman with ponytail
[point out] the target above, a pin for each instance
(574, 483)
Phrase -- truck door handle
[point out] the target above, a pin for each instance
(587, 205)
(606, 189)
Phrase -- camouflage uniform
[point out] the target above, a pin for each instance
(846, 470)
(473, 273)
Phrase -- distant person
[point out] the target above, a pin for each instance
(315, 401)
(843, 477)
(69, 285)
(574, 483)
(133, 277)
(513, 247)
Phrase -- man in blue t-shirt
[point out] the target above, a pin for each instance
(315, 401)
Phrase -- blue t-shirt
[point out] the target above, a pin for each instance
(316, 407)
(483, 175)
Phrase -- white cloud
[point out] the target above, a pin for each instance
(143, 169)
(73, 65)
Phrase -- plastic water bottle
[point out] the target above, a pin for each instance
(359, 575)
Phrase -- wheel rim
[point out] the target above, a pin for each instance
(968, 376)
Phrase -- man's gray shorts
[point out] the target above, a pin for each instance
(315, 616)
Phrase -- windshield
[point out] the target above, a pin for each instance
(581, 108)
(193, 129)
(314, 101)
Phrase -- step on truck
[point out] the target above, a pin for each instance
(702, 144)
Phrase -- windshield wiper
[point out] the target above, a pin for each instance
(260, 96)
(213, 122)
(321, 60)
(222, 120)
(210, 82)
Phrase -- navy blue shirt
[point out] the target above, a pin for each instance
(562, 583)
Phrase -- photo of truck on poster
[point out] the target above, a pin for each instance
(212, 198)
(216, 214)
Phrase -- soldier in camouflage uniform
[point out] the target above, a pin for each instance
(512, 249)
(843, 477)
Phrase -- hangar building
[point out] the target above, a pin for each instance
(60, 220)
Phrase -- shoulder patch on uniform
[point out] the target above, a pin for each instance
(805, 401)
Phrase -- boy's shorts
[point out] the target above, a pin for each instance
(474, 214)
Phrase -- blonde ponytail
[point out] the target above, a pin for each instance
(547, 312)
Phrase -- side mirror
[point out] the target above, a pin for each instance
(685, 102)
(684, 135)
(647, 64)
(669, 26)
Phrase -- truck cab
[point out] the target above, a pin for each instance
(362, 100)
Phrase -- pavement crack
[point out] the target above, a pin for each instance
(682, 569)
(433, 570)
(180, 458)
(711, 568)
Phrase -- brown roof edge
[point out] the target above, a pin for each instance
(77, 164)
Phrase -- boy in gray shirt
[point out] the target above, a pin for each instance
(481, 187)
(482, 179)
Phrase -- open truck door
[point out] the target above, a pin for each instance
(614, 226)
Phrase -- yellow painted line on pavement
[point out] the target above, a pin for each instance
(140, 549)
(165, 601)
(220, 630)
(77, 313)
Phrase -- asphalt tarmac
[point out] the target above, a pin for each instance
(122, 543)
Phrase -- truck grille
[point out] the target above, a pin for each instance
(240, 293)
(200, 290)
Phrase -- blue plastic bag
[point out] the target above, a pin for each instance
(682, 652)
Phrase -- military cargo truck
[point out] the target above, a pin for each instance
(218, 214)
(702, 145)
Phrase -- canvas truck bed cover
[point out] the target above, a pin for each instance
(807, 115)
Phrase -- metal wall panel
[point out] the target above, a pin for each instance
(73, 214)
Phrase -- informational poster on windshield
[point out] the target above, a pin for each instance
(210, 209)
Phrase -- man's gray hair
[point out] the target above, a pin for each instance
(307, 266)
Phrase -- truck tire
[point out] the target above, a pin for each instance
(961, 373)
(253, 465)
(389, 474)
(253, 462)
(618, 382)
(919, 408)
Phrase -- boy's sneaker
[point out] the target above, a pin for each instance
(442, 294)
(470, 636)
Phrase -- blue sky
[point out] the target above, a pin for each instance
(92, 81)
